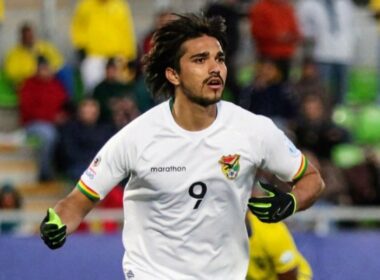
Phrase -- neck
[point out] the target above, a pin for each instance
(192, 116)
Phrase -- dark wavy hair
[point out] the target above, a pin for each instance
(167, 48)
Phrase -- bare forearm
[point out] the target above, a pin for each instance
(308, 188)
(73, 209)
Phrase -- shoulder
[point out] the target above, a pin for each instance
(14, 51)
(253, 127)
(98, 89)
(71, 129)
(259, 4)
(86, 3)
(239, 117)
(231, 108)
(29, 82)
(147, 123)
(42, 44)
(258, 8)
(132, 140)
(123, 6)
(85, 7)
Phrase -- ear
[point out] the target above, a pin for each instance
(172, 76)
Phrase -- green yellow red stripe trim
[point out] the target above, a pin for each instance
(87, 191)
(301, 169)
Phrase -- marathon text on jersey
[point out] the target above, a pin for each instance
(168, 169)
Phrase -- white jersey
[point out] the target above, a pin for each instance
(186, 199)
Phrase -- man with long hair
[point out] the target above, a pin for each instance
(192, 162)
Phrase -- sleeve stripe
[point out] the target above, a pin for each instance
(87, 191)
(301, 169)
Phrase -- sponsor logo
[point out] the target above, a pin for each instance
(90, 173)
(281, 212)
(292, 149)
(96, 161)
(161, 169)
(130, 274)
(230, 166)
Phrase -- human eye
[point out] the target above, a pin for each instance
(199, 60)
(221, 59)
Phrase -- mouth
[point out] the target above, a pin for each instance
(215, 83)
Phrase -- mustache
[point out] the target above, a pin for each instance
(216, 75)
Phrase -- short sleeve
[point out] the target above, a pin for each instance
(281, 157)
(110, 166)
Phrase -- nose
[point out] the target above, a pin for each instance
(214, 67)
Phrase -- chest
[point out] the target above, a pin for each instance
(221, 164)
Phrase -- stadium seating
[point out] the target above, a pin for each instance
(362, 121)
(362, 88)
(367, 129)
(8, 96)
(347, 155)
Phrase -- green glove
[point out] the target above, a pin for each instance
(273, 208)
(53, 231)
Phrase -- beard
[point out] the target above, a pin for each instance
(200, 100)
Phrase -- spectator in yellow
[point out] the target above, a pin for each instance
(101, 29)
(273, 253)
(20, 61)
(374, 6)
(1, 11)
(1, 20)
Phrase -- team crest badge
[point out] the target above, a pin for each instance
(230, 166)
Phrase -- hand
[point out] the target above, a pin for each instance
(275, 207)
(53, 231)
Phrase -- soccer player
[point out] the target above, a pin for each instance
(192, 162)
(273, 253)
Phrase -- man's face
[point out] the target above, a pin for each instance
(203, 71)
(27, 37)
(89, 112)
(111, 73)
(313, 109)
(44, 71)
(268, 73)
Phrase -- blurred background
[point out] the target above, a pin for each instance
(71, 76)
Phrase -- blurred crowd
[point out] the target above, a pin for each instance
(301, 76)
